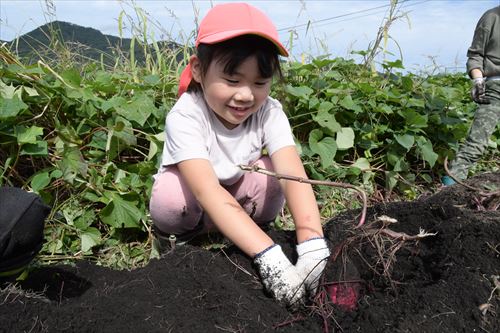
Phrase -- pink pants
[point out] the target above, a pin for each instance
(175, 210)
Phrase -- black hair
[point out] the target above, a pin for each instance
(231, 53)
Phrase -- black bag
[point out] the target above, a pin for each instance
(22, 220)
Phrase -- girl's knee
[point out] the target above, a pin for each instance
(265, 162)
(263, 194)
(264, 182)
(173, 207)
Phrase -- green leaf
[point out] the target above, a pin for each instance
(99, 140)
(114, 102)
(153, 149)
(72, 164)
(55, 246)
(72, 209)
(415, 103)
(121, 211)
(325, 106)
(362, 163)
(390, 179)
(74, 93)
(28, 135)
(92, 197)
(72, 77)
(405, 140)
(407, 83)
(35, 149)
(139, 109)
(384, 108)
(349, 104)
(414, 119)
(8, 91)
(11, 107)
(335, 75)
(326, 148)
(56, 174)
(119, 126)
(31, 91)
(426, 150)
(427, 178)
(117, 141)
(395, 64)
(367, 177)
(397, 161)
(152, 79)
(450, 93)
(68, 134)
(40, 181)
(90, 238)
(103, 82)
(327, 120)
(86, 218)
(300, 92)
(345, 138)
(125, 133)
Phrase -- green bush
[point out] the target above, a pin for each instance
(88, 138)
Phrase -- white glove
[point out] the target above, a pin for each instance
(478, 91)
(279, 276)
(313, 255)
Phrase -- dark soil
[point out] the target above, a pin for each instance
(437, 284)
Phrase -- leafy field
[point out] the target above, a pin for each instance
(87, 137)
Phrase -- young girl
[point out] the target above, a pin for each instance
(225, 118)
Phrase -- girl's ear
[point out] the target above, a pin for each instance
(195, 64)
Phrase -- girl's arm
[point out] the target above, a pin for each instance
(226, 213)
(299, 196)
(278, 275)
(312, 249)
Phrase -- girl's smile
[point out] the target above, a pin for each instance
(233, 97)
(239, 112)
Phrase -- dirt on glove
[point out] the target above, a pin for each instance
(441, 283)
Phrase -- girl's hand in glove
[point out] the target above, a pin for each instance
(280, 277)
(313, 255)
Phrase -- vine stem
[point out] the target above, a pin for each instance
(256, 168)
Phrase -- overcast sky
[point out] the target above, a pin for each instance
(432, 31)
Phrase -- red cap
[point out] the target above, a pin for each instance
(231, 20)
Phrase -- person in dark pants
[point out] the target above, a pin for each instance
(22, 221)
(483, 67)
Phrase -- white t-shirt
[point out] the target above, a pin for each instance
(194, 131)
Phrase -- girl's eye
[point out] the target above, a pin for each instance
(231, 81)
(260, 83)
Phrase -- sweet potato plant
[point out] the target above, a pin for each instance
(87, 137)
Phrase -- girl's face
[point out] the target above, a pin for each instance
(233, 97)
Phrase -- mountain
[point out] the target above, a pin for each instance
(84, 43)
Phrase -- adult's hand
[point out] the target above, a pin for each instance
(478, 91)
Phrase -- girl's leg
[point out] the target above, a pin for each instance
(175, 210)
(259, 195)
(173, 207)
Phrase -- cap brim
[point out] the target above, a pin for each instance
(225, 35)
